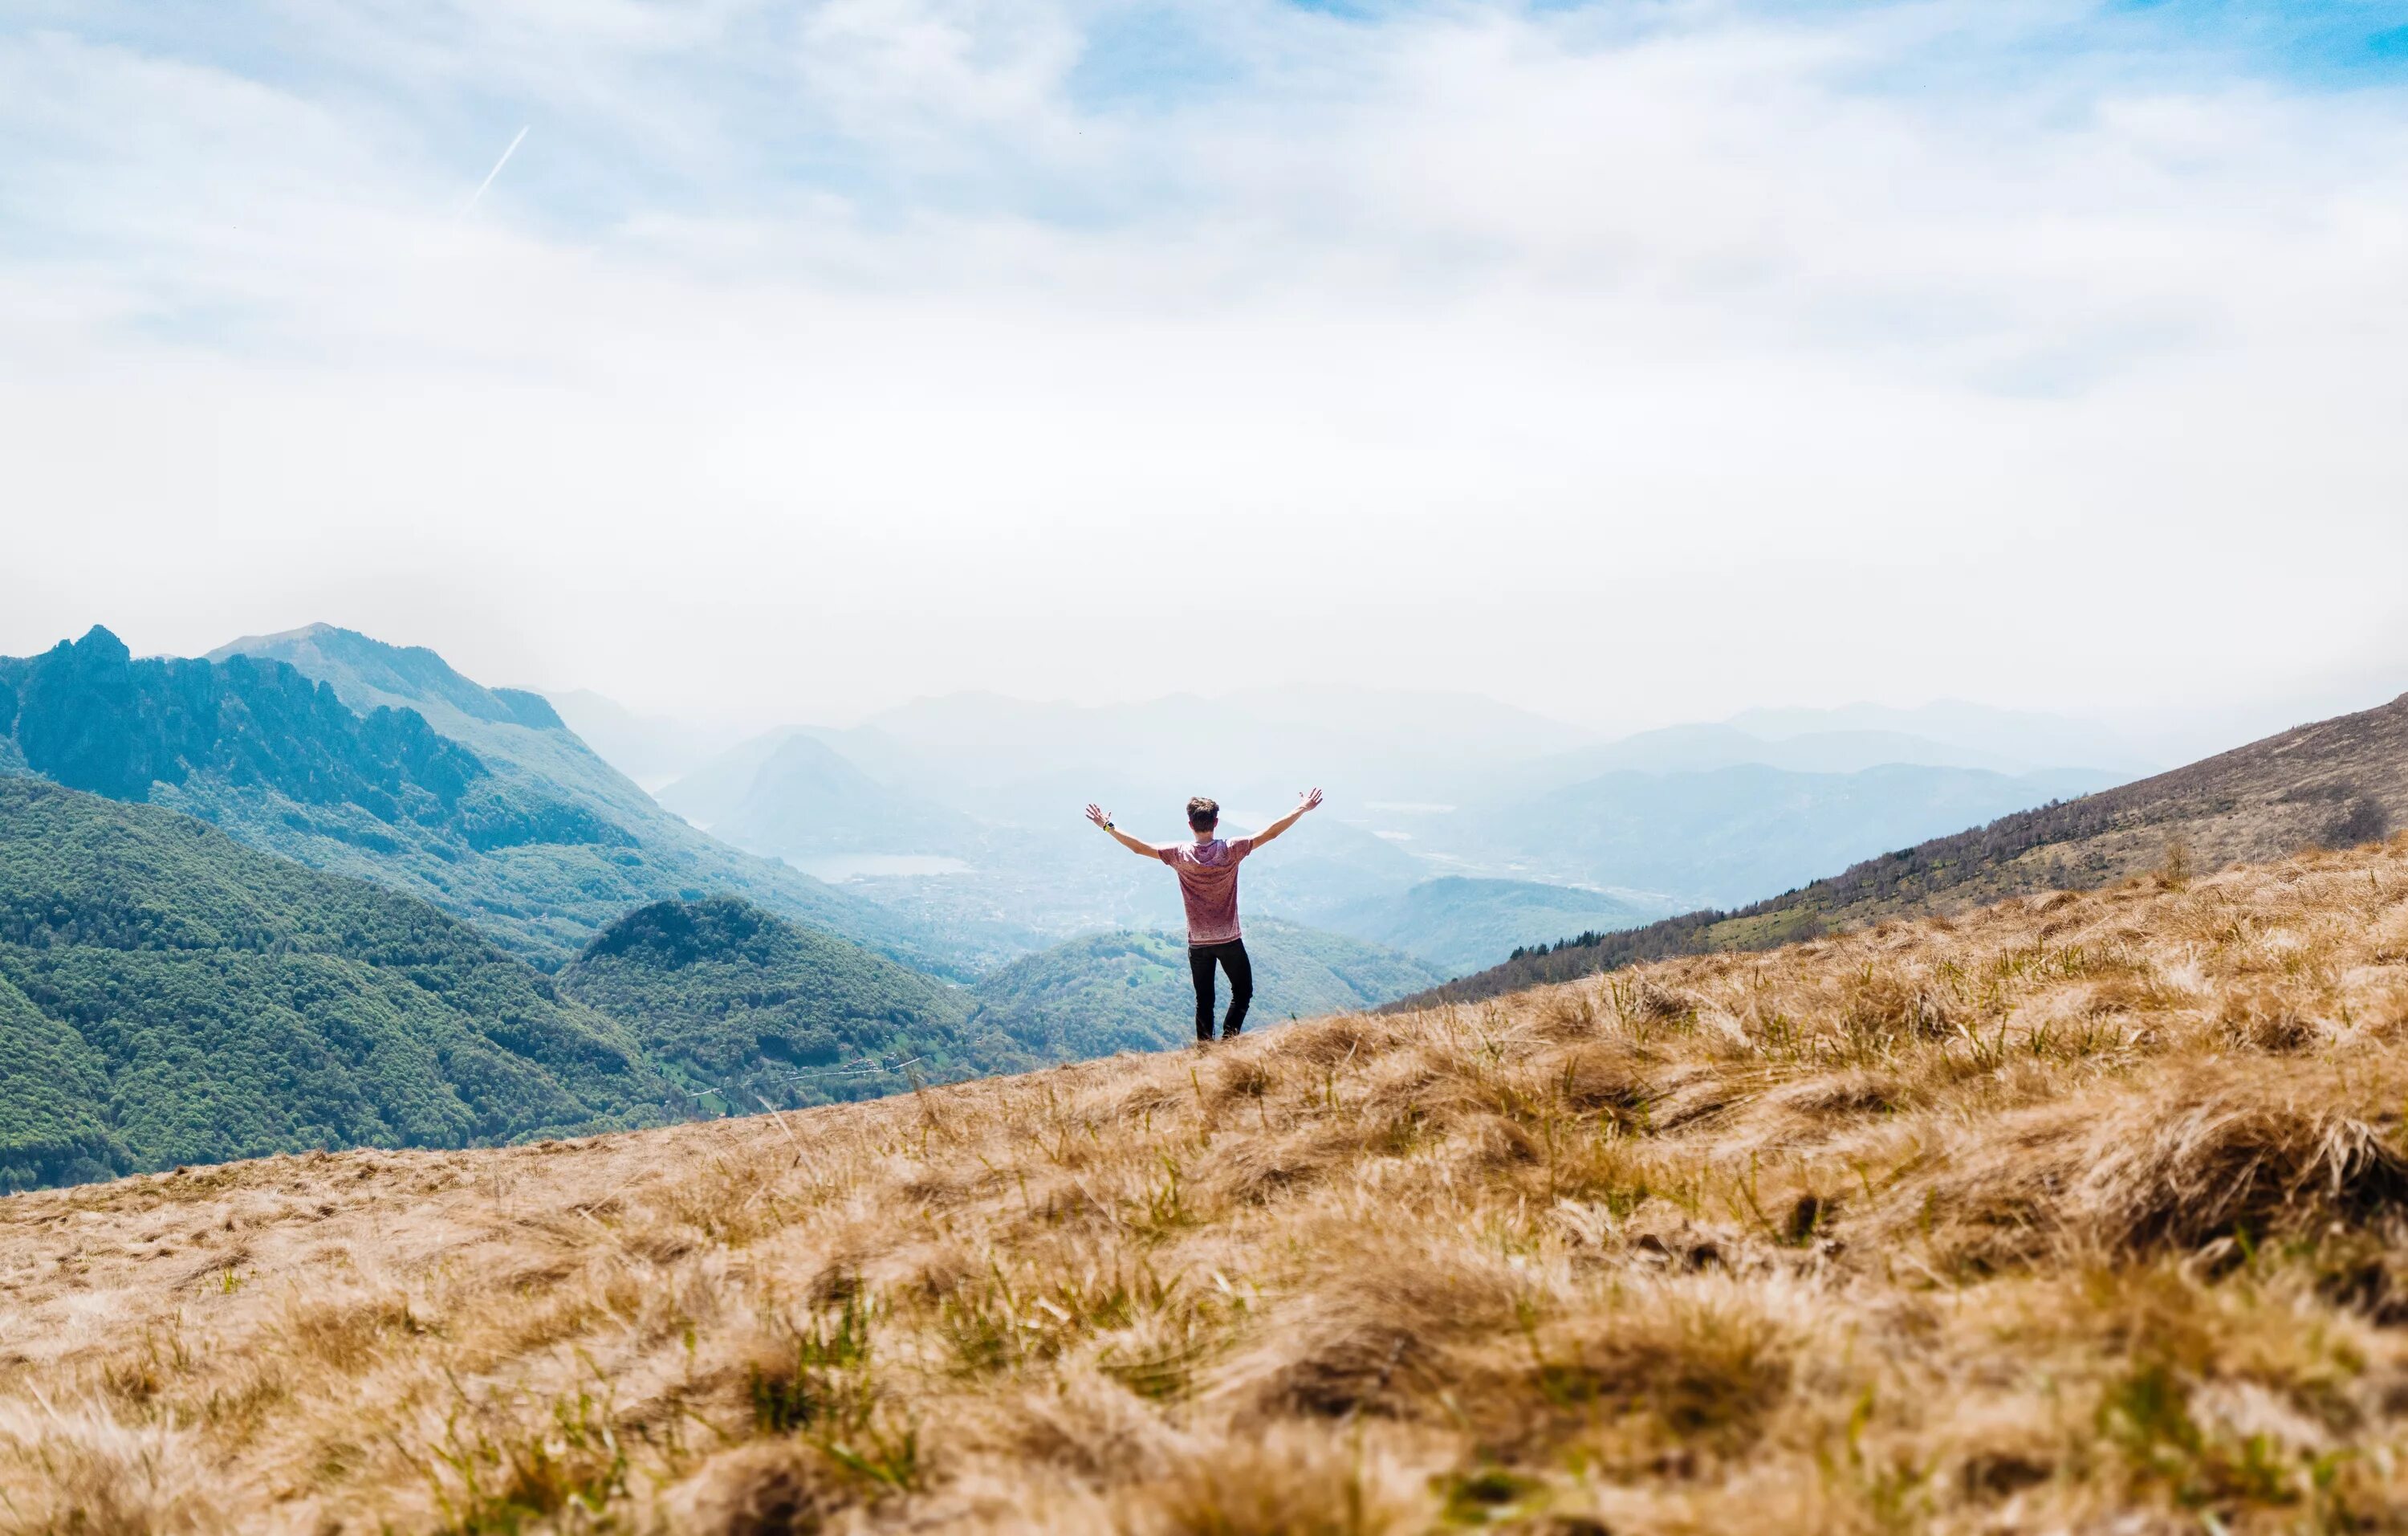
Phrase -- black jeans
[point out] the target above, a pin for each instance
(1231, 957)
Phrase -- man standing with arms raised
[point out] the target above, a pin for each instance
(1208, 882)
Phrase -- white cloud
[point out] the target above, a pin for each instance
(807, 358)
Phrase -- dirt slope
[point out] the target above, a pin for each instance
(2077, 1213)
(2333, 784)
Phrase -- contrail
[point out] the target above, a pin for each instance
(491, 174)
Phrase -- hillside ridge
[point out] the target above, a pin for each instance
(2331, 782)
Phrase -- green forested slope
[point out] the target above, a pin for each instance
(169, 996)
(746, 1008)
(1130, 991)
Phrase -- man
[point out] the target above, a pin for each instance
(1208, 882)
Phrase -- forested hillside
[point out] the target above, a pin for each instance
(747, 1010)
(2334, 783)
(168, 996)
(477, 800)
(1128, 991)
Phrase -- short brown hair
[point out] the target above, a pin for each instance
(1203, 813)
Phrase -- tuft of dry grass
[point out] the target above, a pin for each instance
(2078, 1212)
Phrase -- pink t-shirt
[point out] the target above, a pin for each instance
(1207, 881)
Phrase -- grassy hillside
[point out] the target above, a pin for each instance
(746, 1010)
(1131, 991)
(2077, 1214)
(555, 897)
(1459, 924)
(168, 995)
(2337, 782)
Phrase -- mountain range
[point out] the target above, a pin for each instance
(1732, 834)
(2009, 740)
(963, 812)
(2335, 783)
(952, 823)
(381, 762)
(316, 891)
(220, 884)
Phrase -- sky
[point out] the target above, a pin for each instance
(1630, 362)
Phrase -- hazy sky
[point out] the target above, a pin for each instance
(1629, 361)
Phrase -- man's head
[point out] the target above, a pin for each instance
(1203, 814)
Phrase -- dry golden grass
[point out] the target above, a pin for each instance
(2077, 1213)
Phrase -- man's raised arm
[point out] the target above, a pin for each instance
(1311, 798)
(1103, 818)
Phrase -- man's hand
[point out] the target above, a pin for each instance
(1306, 802)
(1103, 818)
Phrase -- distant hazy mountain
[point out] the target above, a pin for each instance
(739, 1004)
(1421, 786)
(709, 791)
(1697, 749)
(281, 763)
(807, 801)
(2011, 740)
(1736, 834)
(546, 896)
(981, 752)
(1130, 991)
(650, 750)
(496, 813)
(2334, 783)
(1024, 856)
(168, 996)
(1460, 924)
(1844, 740)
